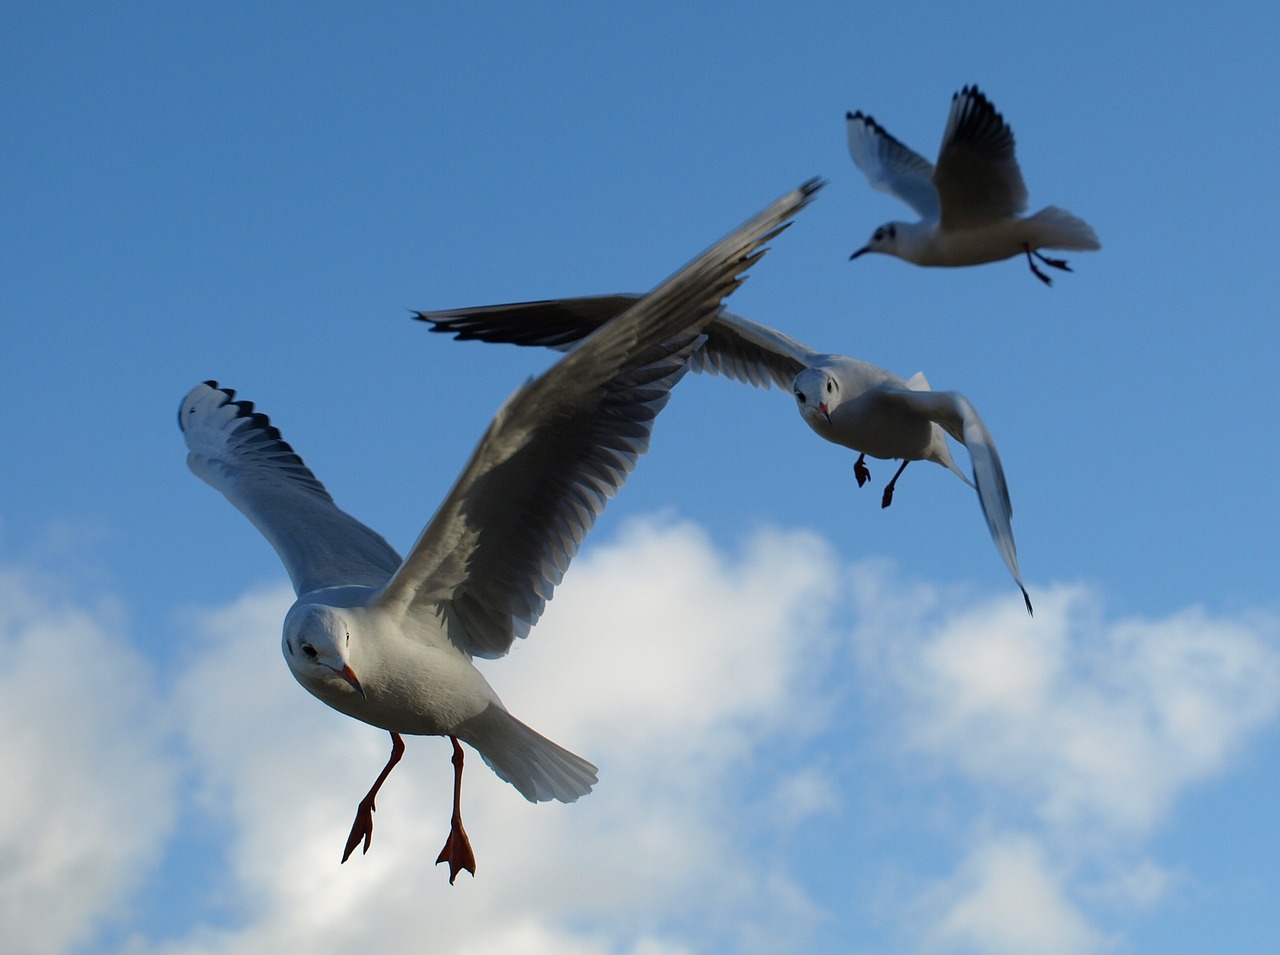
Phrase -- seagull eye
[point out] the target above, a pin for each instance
(310, 651)
(831, 386)
(800, 396)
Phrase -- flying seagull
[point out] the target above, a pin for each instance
(970, 204)
(847, 401)
(390, 642)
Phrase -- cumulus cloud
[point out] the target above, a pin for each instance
(1096, 723)
(88, 794)
(1082, 731)
(660, 659)
(1007, 899)
(740, 704)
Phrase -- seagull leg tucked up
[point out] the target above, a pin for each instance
(1056, 263)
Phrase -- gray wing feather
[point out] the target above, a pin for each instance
(960, 418)
(734, 347)
(977, 177)
(563, 445)
(890, 166)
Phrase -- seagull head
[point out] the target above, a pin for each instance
(317, 647)
(817, 396)
(884, 239)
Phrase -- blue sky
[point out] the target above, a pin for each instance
(821, 726)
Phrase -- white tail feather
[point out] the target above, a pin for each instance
(540, 769)
(1059, 229)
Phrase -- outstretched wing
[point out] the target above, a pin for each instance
(953, 412)
(239, 452)
(978, 178)
(890, 166)
(562, 446)
(735, 347)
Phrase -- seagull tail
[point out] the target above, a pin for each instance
(1058, 229)
(540, 769)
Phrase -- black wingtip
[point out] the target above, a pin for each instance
(208, 383)
(810, 186)
(1027, 600)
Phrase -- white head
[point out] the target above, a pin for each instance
(317, 646)
(817, 396)
(884, 239)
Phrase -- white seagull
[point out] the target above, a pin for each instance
(970, 204)
(390, 642)
(847, 401)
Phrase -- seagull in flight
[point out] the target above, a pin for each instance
(390, 642)
(971, 203)
(847, 401)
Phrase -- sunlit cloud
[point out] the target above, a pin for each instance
(735, 698)
(660, 659)
(1081, 731)
(87, 789)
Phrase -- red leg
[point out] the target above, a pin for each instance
(362, 828)
(888, 488)
(860, 470)
(457, 848)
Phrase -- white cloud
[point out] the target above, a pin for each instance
(659, 659)
(715, 694)
(1095, 723)
(88, 797)
(1007, 899)
(1081, 731)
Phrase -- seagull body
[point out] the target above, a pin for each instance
(971, 203)
(390, 642)
(868, 420)
(846, 401)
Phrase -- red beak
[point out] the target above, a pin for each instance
(349, 675)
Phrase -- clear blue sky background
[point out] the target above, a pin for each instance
(844, 736)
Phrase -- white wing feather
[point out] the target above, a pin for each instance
(240, 453)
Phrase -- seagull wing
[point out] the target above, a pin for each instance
(890, 166)
(735, 347)
(561, 446)
(977, 177)
(239, 452)
(953, 412)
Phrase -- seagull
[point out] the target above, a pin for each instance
(846, 401)
(390, 642)
(970, 204)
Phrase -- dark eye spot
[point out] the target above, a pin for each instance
(310, 651)
(800, 396)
